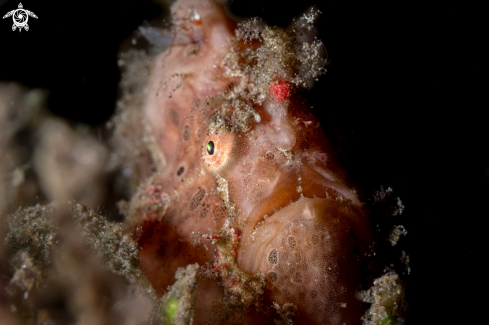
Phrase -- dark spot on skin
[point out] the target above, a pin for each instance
(204, 212)
(291, 241)
(180, 171)
(272, 276)
(200, 133)
(174, 117)
(161, 251)
(297, 277)
(170, 215)
(198, 196)
(247, 179)
(273, 257)
(220, 212)
(314, 294)
(186, 133)
(269, 156)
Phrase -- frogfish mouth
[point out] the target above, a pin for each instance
(250, 187)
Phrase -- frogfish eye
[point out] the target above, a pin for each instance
(210, 148)
(218, 152)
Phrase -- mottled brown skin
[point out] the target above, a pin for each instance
(310, 251)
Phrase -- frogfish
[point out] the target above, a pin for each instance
(250, 187)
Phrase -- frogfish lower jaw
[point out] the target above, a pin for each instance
(310, 253)
(292, 187)
(309, 238)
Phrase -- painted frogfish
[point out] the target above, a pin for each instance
(249, 186)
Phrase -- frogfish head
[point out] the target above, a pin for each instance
(250, 184)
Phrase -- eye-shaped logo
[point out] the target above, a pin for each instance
(20, 17)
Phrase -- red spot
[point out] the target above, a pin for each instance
(235, 252)
(236, 232)
(219, 267)
(154, 193)
(280, 90)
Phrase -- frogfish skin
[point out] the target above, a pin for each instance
(250, 188)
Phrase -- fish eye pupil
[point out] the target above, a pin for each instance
(210, 148)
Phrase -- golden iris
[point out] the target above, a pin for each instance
(210, 148)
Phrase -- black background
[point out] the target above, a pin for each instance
(405, 98)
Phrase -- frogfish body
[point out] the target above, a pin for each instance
(250, 188)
